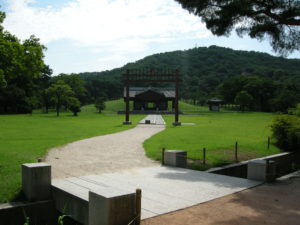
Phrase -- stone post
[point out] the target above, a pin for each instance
(111, 207)
(36, 181)
(175, 158)
(261, 170)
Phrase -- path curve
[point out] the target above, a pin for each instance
(103, 154)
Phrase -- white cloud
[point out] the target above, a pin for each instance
(125, 25)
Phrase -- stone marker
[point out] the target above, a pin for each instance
(175, 158)
(261, 170)
(36, 181)
(110, 206)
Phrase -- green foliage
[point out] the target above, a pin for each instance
(27, 221)
(74, 105)
(2, 80)
(217, 132)
(244, 99)
(60, 93)
(295, 111)
(286, 130)
(287, 98)
(260, 89)
(76, 84)
(100, 104)
(21, 65)
(279, 20)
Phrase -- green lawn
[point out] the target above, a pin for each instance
(25, 138)
(217, 132)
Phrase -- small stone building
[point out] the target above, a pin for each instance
(151, 98)
(214, 104)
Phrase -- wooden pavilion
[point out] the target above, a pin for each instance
(149, 99)
(214, 104)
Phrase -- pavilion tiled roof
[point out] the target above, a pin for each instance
(134, 91)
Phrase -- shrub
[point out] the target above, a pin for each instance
(100, 104)
(295, 111)
(286, 130)
(74, 105)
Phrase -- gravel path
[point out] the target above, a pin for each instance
(103, 154)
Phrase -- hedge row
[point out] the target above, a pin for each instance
(286, 130)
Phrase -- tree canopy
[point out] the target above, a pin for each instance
(21, 66)
(60, 94)
(277, 19)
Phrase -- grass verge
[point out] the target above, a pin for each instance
(24, 138)
(217, 132)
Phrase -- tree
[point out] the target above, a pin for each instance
(76, 83)
(278, 19)
(74, 105)
(285, 100)
(60, 93)
(21, 65)
(244, 99)
(100, 104)
(2, 79)
(286, 131)
(44, 83)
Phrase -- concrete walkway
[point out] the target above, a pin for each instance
(154, 119)
(164, 189)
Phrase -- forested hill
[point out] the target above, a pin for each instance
(203, 70)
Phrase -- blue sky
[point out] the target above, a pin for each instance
(97, 35)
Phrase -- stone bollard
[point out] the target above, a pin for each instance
(261, 170)
(176, 158)
(36, 181)
(109, 206)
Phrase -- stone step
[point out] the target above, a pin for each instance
(93, 204)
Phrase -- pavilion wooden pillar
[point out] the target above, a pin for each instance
(176, 122)
(127, 122)
(152, 75)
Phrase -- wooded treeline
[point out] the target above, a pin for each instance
(270, 83)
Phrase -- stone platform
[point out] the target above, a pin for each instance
(164, 189)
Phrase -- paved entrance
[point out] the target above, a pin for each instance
(164, 189)
(154, 119)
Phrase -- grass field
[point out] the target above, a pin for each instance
(25, 138)
(217, 132)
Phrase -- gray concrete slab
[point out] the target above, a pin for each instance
(164, 189)
(154, 119)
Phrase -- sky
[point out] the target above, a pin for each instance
(98, 35)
